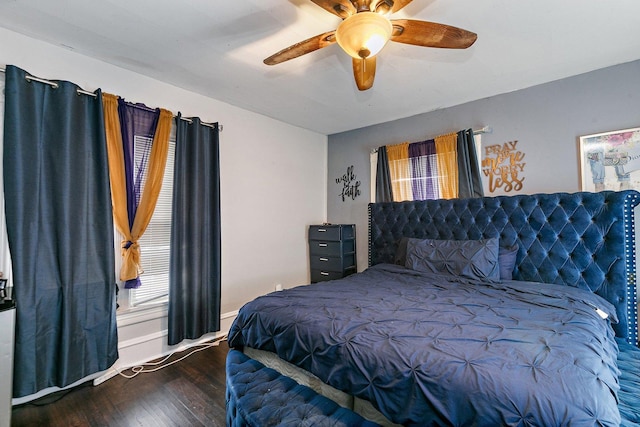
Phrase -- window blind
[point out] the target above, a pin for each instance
(155, 242)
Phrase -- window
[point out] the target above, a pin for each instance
(155, 242)
(406, 182)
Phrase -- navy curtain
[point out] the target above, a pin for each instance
(60, 230)
(194, 269)
(469, 183)
(384, 190)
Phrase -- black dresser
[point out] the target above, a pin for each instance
(332, 251)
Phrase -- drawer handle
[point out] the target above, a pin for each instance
(324, 259)
(322, 245)
(321, 230)
(324, 273)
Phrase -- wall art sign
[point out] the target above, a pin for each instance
(504, 165)
(610, 160)
(350, 186)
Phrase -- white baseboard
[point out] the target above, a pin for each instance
(139, 350)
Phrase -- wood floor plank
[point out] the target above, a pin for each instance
(206, 412)
(190, 392)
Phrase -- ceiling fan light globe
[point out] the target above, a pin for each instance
(364, 33)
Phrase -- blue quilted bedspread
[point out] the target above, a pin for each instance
(431, 349)
(629, 394)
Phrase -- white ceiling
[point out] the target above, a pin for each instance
(216, 48)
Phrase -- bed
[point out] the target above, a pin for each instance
(434, 333)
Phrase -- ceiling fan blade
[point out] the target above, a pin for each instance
(399, 4)
(341, 8)
(364, 71)
(310, 45)
(431, 34)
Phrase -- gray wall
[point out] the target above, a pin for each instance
(546, 120)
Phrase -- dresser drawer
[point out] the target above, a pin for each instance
(331, 232)
(332, 263)
(322, 275)
(331, 248)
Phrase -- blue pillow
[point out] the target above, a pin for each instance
(507, 261)
(472, 259)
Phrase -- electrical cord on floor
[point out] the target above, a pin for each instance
(54, 396)
(143, 368)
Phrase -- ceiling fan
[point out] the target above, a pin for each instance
(365, 30)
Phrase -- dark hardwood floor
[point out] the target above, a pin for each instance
(188, 393)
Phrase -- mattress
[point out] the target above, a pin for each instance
(427, 349)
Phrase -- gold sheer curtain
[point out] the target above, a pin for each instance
(400, 171)
(447, 156)
(130, 249)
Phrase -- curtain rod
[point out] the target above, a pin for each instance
(84, 92)
(484, 129)
(186, 119)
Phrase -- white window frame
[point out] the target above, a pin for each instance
(5, 255)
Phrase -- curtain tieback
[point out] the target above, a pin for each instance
(131, 268)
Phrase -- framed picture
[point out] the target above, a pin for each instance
(610, 160)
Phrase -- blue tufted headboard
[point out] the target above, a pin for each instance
(585, 240)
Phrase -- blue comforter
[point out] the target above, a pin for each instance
(431, 349)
